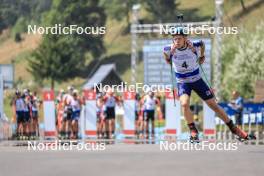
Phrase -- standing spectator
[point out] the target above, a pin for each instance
(19, 106)
(67, 101)
(27, 113)
(150, 103)
(110, 102)
(35, 115)
(100, 113)
(237, 105)
(76, 104)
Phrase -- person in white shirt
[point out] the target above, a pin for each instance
(76, 104)
(35, 114)
(150, 103)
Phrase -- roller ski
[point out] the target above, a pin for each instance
(194, 135)
(194, 138)
(240, 134)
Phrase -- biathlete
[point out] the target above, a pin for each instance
(185, 58)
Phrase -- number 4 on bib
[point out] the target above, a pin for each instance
(184, 64)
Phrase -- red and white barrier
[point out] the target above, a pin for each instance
(129, 115)
(49, 114)
(208, 121)
(173, 115)
(90, 113)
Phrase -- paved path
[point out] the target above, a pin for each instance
(131, 159)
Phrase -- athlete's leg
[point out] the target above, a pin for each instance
(75, 128)
(63, 128)
(201, 88)
(104, 130)
(109, 128)
(147, 128)
(72, 128)
(152, 127)
(217, 109)
(222, 115)
(184, 91)
(68, 128)
(185, 104)
(113, 121)
(98, 131)
(113, 126)
(36, 126)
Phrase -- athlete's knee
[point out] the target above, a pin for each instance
(185, 105)
(213, 105)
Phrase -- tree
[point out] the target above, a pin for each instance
(83, 13)
(56, 59)
(162, 10)
(28, 10)
(61, 57)
(247, 66)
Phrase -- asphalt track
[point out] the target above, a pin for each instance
(132, 159)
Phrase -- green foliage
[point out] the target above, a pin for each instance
(61, 57)
(117, 9)
(84, 14)
(20, 26)
(27, 10)
(57, 59)
(162, 10)
(246, 68)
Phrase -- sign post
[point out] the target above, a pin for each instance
(173, 115)
(90, 113)
(49, 114)
(129, 115)
(208, 121)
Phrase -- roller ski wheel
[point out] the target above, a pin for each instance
(242, 135)
(194, 138)
(249, 137)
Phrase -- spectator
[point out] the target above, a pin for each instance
(237, 105)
